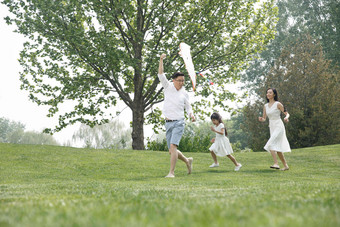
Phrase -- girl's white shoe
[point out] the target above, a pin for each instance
(237, 168)
(214, 165)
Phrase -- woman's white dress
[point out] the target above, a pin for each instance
(278, 139)
(221, 146)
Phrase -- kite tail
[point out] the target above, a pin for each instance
(211, 83)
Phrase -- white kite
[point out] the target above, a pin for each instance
(185, 54)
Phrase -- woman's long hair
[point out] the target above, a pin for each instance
(218, 117)
(276, 97)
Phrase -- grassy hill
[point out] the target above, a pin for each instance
(61, 186)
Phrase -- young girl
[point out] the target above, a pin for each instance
(277, 143)
(221, 145)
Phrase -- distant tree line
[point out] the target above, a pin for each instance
(14, 132)
(112, 135)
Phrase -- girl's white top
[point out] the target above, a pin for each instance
(221, 146)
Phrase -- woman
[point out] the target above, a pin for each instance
(277, 143)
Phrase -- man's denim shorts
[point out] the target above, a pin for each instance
(174, 132)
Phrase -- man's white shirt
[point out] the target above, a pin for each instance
(175, 101)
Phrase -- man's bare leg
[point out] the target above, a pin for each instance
(188, 161)
(173, 159)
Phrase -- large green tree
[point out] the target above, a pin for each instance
(93, 52)
(320, 19)
(308, 86)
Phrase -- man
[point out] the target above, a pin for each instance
(176, 100)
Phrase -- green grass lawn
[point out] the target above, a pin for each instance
(62, 186)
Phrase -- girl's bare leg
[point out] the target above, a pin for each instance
(232, 159)
(214, 157)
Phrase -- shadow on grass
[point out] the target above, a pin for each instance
(201, 172)
(256, 171)
(147, 178)
(216, 171)
(261, 171)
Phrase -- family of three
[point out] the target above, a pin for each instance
(176, 103)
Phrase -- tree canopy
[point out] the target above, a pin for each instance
(308, 86)
(92, 53)
(320, 19)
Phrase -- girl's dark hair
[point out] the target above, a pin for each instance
(217, 116)
(177, 74)
(276, 97)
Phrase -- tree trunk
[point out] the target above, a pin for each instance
(137, 128)
(138, 104)
(138, 101)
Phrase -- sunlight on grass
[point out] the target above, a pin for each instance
(61, 186)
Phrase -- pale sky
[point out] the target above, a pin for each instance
(14, 102)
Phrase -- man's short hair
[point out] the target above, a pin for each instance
(177, 74)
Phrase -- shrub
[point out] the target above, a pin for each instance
(196, 138)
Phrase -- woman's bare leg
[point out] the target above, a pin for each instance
(283, 160)
(273, 153)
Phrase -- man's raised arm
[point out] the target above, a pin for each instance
(161, 76)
